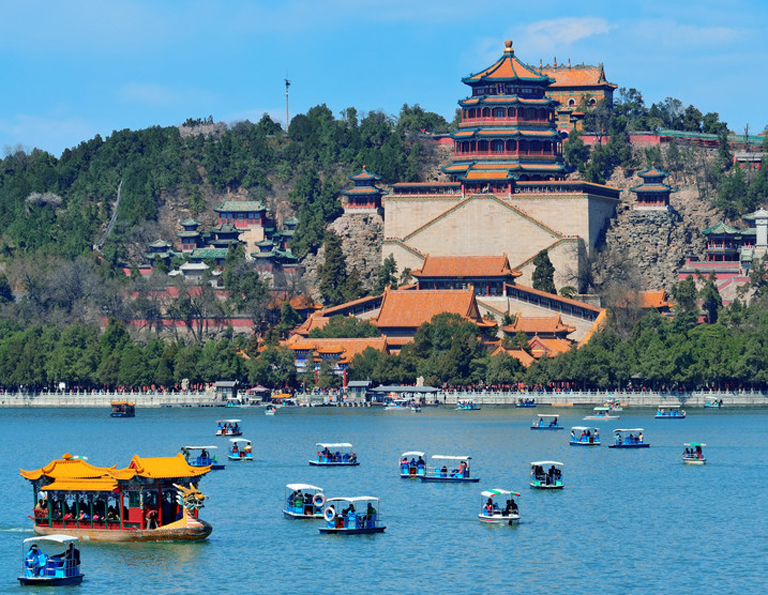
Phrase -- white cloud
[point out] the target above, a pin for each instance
(550, 37)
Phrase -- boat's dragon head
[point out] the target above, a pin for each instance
(190, 498)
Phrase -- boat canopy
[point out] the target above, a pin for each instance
(132, 404)
(238, 440)
(228, 421)
(602, 408)
(51, 539)
(200, 447)
(669, 406)
(415, 453)
(694, 444)
(335, 444)
(545, 463)
(498, 492)
(584, 428)
(617, 430)
(302, 486)
(353, 499)
(450, 458)
(555, 415)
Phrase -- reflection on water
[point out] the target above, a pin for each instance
(626, 520)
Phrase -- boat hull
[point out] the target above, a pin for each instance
(296, 516)
(628, 445)
(547, 427)
(498, 519)
(195, 530)
(334, 464)
(576, 443)
(434, 478)
(51, 581)
(546, 487)
(682, 416)
(240, 459)
(348, 531)
(691, 461)
(599, 417)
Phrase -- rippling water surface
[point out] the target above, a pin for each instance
(627, 522)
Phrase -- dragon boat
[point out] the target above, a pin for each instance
(145, 501)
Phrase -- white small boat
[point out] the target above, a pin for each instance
(694, 453)
(241, 450)
(270, 410)
(492, 512)
(628, 438)
(228, 427)
(458, 474)
(546, 421)
(398, 405)
(601, 413)
(201, 456)
(352, 516)
(51, 561)
(550, 479)
(670, 412)
(335, 454)
(303, 501)
(412, 464)
(585, 436)
(467, 406)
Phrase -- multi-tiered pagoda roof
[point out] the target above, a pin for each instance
(508, 130)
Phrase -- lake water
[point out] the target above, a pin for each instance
(632, 521)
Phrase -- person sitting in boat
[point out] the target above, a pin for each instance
(553, 422)
(444, 471)
(370, 512)
(488, 508)
(541, 422)
(420, 463)
(404, 465)
(35, 560)
(595, 436)
(640, 438)
(511, 507)
(298, 499)
(151, 518)
(353, 458)
(112, 514)
(40, 511)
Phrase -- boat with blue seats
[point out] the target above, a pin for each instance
(546, 421)
(551, 479)
(694, 453)
(202, 456)
(123, 409)
(228, 427)
(713, 404)
(335, 454)
(51, 561)
(628, 438)
(270, 410)
(352, 516)
(585, 436)
(670, 412)
(412, 464)
(601, 412)
(303, 501)
(467, 406)
(441, 473)
(240, 450)
(492, 513)
(525, 403)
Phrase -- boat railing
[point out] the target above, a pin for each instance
(355, 520)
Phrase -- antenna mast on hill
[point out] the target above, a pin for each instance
(287, 119)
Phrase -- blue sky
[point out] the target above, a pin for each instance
(74, 69)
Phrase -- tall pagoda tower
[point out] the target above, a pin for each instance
(508, 130)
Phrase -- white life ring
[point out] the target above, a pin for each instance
(329, 514)
(318, 499)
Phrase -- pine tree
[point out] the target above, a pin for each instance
(332, 274)
(544, 273)
(386, 275)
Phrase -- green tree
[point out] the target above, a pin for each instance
(544, 273)
(332, 274)
(386, 276)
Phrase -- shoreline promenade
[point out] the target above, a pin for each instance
(553, 399)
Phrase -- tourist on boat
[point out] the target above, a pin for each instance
(444, 471)
(640, 438)
(40, 511)
(370, 512)
(151, 518)
(488, 508)
(420, 463)
(35, 559)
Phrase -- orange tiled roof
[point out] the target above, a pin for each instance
(100, 484)
(410, 309)
(165, 467)
(577, 76)
(505, 68)
(541, 346)
(538, 325)
(70, 468)
(488, 175)
(465, 266)
(348, 347)
(654, 299)
(315, 320)
(521, 355)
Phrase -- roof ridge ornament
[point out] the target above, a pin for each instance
(508, 47)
